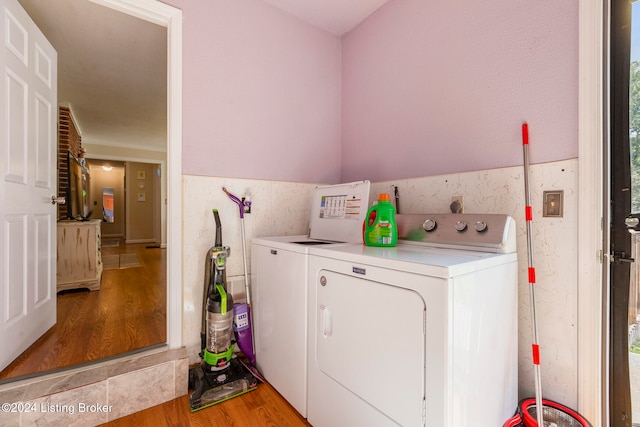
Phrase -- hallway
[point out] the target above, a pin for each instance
(127, 313)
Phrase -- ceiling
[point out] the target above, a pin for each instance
(112, 67)
(104, 63)
(334, 16)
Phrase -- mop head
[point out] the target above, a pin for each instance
(553, 415)
(210, 388)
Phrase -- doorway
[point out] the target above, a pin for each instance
(108, 197)
(624, 229)
(171, 18)
(127, 196)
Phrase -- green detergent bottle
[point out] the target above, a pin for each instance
(380, 228)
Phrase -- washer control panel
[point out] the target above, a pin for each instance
(488, 232)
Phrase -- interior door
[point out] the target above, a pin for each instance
(28, 111)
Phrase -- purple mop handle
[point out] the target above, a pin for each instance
(246, 344)
(237, 201)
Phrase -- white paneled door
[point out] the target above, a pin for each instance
(28, 147)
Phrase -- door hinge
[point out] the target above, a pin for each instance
(621, 256)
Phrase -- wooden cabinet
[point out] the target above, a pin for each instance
(79, 255)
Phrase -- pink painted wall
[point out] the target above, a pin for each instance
(420, 88)
(261, 93)
(433, 87)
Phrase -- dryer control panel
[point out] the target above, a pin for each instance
(478, 232)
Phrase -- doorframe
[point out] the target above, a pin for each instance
(593, 265)
(171, 18)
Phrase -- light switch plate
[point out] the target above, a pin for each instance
(552, 205)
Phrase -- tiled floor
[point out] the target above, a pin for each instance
(98, 393)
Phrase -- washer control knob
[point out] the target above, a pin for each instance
(461, 225)
(429, 225)
(480, 226)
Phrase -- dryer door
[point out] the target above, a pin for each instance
(358, 318)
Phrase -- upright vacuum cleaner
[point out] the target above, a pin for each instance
(220, 375)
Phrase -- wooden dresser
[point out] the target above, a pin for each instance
(79, 255)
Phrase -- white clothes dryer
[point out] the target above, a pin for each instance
(421, 334)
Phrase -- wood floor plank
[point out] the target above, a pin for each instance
(127, 313)
(263, 407)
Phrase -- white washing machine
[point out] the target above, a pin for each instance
(425, 333)
(279, 286)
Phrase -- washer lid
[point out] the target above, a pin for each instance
(338, 212)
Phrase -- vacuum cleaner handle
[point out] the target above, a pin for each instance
(216, 217)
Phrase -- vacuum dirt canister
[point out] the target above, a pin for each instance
(219, 348)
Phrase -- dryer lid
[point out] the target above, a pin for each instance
(338, 212)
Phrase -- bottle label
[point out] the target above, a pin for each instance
(382, 233)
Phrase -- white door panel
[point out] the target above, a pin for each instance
(28, 122)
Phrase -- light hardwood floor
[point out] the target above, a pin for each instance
(127, 313)
(263, 407)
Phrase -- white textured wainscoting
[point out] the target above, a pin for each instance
(282, 208)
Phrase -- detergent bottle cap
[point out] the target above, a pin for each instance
(384, 197)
